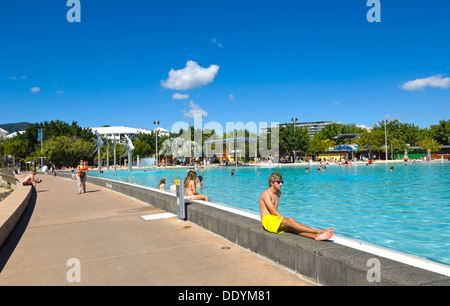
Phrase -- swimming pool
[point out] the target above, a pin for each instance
(407, 210)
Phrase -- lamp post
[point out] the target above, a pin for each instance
(385, 139)
(294, 119)
(41, 138)
(235, 135)
(156, 130)
(115, 160)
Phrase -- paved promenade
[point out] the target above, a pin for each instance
(103, 231)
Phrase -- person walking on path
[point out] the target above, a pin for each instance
(82, 169)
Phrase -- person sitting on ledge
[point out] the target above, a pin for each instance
(29, 179)
(275, 222)
(189, 188)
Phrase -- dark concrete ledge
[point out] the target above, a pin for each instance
(327, 263)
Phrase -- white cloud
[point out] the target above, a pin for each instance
(214, 40)
(231, 97)
(194, 110)
(192, 76)
(15, 78)
(60, 91)
(432, 81)
(178, 96)
(35, 89)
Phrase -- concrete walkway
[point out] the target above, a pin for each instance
(103, 232)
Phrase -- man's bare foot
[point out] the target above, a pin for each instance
(326, 230)
(327, 234)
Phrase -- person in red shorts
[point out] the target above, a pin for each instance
(29, 179)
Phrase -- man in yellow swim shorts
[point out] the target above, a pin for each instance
(274, 222)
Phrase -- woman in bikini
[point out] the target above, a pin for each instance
(189, 188)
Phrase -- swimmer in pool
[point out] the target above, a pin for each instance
(199, 182)
(275, 222)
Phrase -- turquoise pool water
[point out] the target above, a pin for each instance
(407, 210)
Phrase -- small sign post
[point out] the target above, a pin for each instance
(181, 207)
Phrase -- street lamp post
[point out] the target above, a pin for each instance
(41, 138)
(294, 119)
(385, 139)
(156, 131)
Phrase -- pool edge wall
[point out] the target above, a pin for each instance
(325, 262)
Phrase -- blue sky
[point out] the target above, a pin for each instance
(259, 61)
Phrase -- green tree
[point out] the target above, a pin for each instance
(145, 144)
(397, 145)
(291, 140)
(429, 143)
(334, 129)
(143, 148)
(371, 141)
(3, 143)
(17, 147)
(52, 129)
(441, 132)
(67, 150)
(317, 145)
(407, 132)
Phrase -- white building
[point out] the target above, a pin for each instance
(14, 134)
(161, 131)
(3, 132)
(313, 127)
(120, 131)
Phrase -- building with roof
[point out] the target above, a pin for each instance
(14, 134)
(313, 126)
(3, 132)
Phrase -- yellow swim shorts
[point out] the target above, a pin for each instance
(272, 223)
